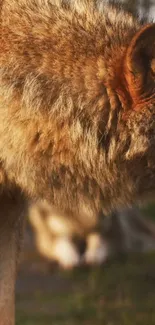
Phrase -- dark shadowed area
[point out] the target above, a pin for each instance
(122, 292)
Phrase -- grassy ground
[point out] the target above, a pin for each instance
(121, 293)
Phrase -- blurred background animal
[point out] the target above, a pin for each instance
(75, 242)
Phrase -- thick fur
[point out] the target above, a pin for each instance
(77, 105)
(69, 131)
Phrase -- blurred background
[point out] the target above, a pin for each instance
(90, 273)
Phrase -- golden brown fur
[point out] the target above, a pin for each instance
(77, 103)
(63, 100)
(57, 90)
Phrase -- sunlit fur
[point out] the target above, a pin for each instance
(77, 108)
(69, 131)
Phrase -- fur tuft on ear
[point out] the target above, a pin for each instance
(140, 64)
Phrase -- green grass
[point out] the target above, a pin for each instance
(121, 293)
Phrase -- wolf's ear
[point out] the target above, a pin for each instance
(140, 64)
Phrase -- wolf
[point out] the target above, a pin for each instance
(77, 127)
(81, 242)
(68, 241)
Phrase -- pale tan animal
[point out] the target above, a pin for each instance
(77, 127)
(68, 241)
(71, 243)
